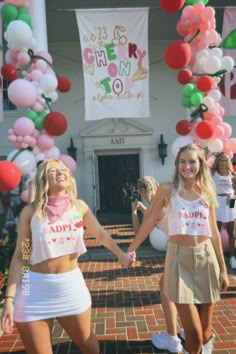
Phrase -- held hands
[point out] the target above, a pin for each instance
(7, 317)
(137, 205)
(126, 260)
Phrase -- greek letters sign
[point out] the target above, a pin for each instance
(114, 47)
(117, 141)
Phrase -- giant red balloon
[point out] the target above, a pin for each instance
(55, 123)
(172, 5)
(177, 54)
(205, 130)
(183, 127)
(10, 176)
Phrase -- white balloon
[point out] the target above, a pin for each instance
(158, 239)
(212, 65)
(180, 142)
(19, 36)
(48, 83)
(25, 160)
(227, 63)
(216, 52)
(215, 145)
(209, 102)
(215, 95)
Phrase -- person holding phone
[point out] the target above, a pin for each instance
(224, 178)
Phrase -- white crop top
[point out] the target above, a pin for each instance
(189, 217)
(51, 240)
(223, 183)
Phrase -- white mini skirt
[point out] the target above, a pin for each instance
(41, 296)
(223, 212)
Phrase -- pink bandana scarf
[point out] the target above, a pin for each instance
(56, 207)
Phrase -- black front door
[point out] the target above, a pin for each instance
(118, 175)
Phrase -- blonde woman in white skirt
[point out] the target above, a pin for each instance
(195, 270)
(45, 281)
(224, 176)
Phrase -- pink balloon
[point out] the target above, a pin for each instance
(45, 55)
(23, 59)
(69, 162)
(230, 144)
(18, 3)
(25, 195)
(24, 126)
(22, 93)
(227, 129)
(45, 142)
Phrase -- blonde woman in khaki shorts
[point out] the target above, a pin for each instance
(195, 270)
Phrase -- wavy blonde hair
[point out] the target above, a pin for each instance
(218, 157)
(149, 185)
(42, 186)
(204, 178)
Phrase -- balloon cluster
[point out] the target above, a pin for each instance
(34, 86)
(202, 66)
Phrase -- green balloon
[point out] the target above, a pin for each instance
(9, 13)
(187, 89)
(39, 123)
(42, 114)
(25, 18)
(23, 10)
(32, 115)
(186, 102)
(196, 99)
(230, 40)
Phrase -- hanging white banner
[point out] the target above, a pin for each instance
(228, 89)
(114, 47)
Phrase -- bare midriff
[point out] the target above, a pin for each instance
(188, 240)
(57, 265)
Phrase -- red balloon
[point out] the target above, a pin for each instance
(55, 123)
(183, 127)
(204, 83)
(234, 168)
(178, 54)
(9, 72)
(205, 130)
(64, 84)
(172, 5)
(184, 76)
(10, 176)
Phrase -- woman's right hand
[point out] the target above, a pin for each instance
(7, 316)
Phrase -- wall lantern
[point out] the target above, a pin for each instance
(162, 148)
(72, 150)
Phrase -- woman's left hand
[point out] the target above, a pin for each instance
(224, 281)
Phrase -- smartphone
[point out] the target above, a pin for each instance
(232, 203)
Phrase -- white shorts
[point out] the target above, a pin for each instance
(223, 212)
(40, 296)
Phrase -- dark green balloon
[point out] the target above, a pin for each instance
(9, 13)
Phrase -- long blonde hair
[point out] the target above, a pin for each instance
(149, 185)
(42, 187)
(203, 178)
(215, 166)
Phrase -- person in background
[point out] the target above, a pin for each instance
(224, 178)
(147, 187)
(195, 270)
(45, 281)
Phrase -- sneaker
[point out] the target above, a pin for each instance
(232, 262)
(165, 341)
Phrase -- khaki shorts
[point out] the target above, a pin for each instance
(191, 274)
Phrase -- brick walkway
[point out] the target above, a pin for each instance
(126, 303)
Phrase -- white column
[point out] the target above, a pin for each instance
(37, 10)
